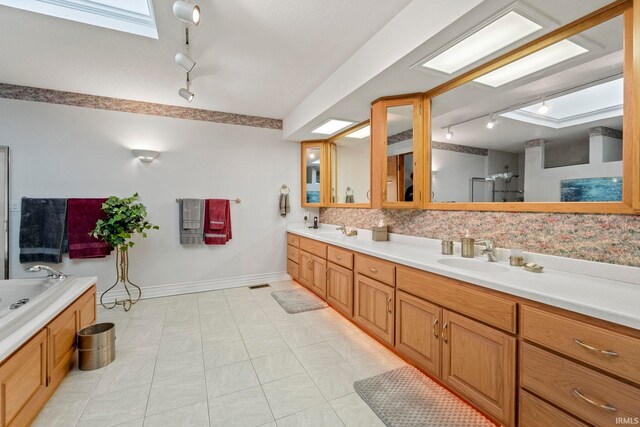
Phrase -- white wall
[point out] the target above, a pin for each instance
(62, 151)
(453, 173)
(354, 170)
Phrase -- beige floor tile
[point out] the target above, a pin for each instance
(114, 408)
(354, 412)
(61, 415)
(223, 352)
(264, 346)
(318, 416)
(292, 394)
(246, 408)
(172, 393)
(230, 378)
(317, 356)
(277, 366)
(302, 337)
(335, 380)
(196, 415)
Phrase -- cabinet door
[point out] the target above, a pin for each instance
(340, 289)
(305, 269)
(86, 306)
(374, 307)
(319, 282)
(480, 363)
(418, 325)
(62, 343)
(23, 382)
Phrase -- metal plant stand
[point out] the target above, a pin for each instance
(122, 270)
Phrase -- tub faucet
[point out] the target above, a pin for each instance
(489, 250)
(347, 231)
(51, 272)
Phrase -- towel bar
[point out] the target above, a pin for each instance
(238, 200)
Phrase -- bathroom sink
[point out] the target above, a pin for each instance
(467, 264)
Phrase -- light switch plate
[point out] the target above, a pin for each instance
(14, 206)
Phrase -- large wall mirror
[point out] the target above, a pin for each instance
(350, 167)
(4, 212)
(312, 170)
(547, 124)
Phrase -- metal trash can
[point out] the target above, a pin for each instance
(96, 346)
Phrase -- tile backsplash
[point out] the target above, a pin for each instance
(612, 239)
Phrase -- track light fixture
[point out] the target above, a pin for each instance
(449, 134)
(492, 122)
(544, 108)
(183, 60)
(187, 12)
(185, 92)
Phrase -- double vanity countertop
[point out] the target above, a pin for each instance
(611, 300)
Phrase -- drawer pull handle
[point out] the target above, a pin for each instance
(389, 305)
(310, 265)
(338, 257)
(591, 348)
(604, 406)
(435, 328)
(373, 270)
(444, 332)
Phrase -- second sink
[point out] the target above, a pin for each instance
(470, 265)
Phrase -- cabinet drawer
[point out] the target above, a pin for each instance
(293, 254)
(293, 240)
(378, 269)
(292, 269)
(620, 355)
(538, 413)
(577, 389)
(340, 256)
(458, 296)
(313, 247)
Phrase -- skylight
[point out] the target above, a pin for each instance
(544, 58)
(332, 126)
(360, 133)
(131, 16)
(588, 105)
(498, 34)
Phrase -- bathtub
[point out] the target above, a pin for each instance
(35, 303)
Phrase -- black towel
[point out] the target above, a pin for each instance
(42, 230)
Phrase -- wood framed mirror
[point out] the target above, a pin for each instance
(549, 127)
(313, 161)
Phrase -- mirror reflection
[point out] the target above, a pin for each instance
(545, 128)
(400, 153)
(351, 167)
(312, 162)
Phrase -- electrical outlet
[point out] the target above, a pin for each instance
(14, 206)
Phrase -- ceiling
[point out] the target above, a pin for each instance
(256, 57)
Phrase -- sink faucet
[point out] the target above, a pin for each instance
(51, 272)
(489, 250)
(348, 233)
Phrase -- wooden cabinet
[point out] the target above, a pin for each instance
(305, 269)
(61, 333)
(374, 307)
(293, 240)
(480, 363)
(340, 256)
(293, 269)
(535, 412)
(23, 382)
(86, 307)
(340, 288)
(293, 253)
(319, 276)
(418, 324)
(380, 270)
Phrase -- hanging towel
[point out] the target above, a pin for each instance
(217, 228)
(285, 208)
(42, 230)
(191, 222)
(349, 198)
(81, 221)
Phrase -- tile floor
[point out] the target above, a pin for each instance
(224, 358)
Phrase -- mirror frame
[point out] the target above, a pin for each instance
(331, 141)
(321, 144)
(379, 151)
(631, 124)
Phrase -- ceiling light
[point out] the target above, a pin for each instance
(332, 126)
(146, 156)
(185, 61)
(500, 33)
(187, 12)
(544, 58)
(312, 156)
(360, 133)
(186, 94)
(492, 122)
(449, 134)
(544, 108)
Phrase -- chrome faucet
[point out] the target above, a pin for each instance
(349, 233)
(51, 272)
(489, 250)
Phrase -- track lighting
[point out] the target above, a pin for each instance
(449, 134)
(146, 156)
(186, 94)
(492, 122)
(544, 108)
(183, 60)
(187, 12)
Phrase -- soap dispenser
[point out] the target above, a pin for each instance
(468, 245)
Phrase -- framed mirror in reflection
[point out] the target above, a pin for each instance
(350, 165)
(400, 153)
(546, 127)
(312, 169)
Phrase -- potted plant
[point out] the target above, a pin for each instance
(125, 217)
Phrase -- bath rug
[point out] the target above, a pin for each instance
(405, 397)
(298, 300)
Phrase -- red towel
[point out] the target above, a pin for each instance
(217, 222)
(82, 215)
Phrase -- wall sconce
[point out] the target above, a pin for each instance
(146, 156)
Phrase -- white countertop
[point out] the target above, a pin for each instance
(611, 300)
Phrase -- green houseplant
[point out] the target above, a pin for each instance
(125, 217)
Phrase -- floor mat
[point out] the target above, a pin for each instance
(298, 300)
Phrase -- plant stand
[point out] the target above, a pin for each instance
(122, 270)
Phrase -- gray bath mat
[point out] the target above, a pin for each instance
(405, 397)
(298, 300)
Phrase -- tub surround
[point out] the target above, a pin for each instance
(610, 300)
(613, 239)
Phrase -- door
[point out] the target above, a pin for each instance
(23, 382)
(418, 325)
(319, 274)
(480, 363)
(340, 289)
(374, 307)
(305, 269)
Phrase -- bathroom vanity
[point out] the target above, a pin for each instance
(526, 349)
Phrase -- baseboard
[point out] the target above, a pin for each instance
(172, 289)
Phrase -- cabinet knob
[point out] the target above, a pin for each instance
(373, 270)
(338, 257)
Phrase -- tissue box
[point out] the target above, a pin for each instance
(380, 234)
